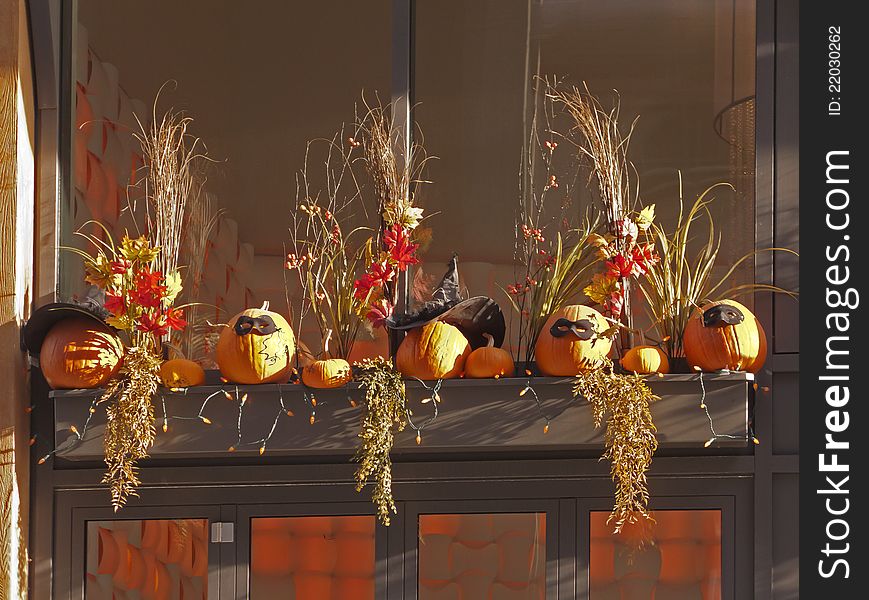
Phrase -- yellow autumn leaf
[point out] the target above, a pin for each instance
(173, 286)
(646, 217)
(138, 249)
(601, 286)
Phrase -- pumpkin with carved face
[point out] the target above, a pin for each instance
(257, 346)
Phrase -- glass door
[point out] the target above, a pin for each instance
(498, 549)
(146, 553)
(310, 552)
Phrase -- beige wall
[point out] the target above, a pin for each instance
(16, 252)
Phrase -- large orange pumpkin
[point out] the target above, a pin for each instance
(181, 373)
(724, 335)
(570, 342)
(258, 346)
(489, 361)
(436, 350)
(646, 359)
(80, 353)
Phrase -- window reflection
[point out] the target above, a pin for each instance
(678, 557)
(685, 67)
(158, 559)
(494, 556)
(312, 558)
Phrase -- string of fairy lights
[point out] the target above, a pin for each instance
(432, 396)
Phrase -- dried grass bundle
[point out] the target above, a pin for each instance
(172, 162)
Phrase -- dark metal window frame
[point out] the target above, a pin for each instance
(566, 501)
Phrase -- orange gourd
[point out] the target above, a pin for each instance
(327, 372)
(489, 361)
(570, 341)
(257, 347)
(80, 353)
(437, 350)
(181, 373)
(646, 359)
(724, 335)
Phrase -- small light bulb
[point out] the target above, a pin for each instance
(313, 401)
(73, 429)
(418, 439)
(291, 413)
(33, 440)
(231, 449)
(228, 395)
(425, 401)
(703, 406)
(43, 459)
(436, 397)
(206, 420)
(244, 399)
(165, 426)
(756, 441)
(262, 450)
(546, 428)
(312, 419)
(524, 391)
(708, 442)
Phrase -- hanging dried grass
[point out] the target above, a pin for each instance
(385, 414)
(130, 425)
(630, 442)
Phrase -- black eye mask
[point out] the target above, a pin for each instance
(583, 329)
(263, 325)
(722, 316)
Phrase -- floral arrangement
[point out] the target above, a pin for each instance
(141, 280)
(599, 140)
(395, 175)
(326, 250)
(139, 298)
(625, 258)
(552, 250)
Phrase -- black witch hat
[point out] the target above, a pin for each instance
(44, 318)
(473, 317)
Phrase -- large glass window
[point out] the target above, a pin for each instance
(258, 80)
(684, 67)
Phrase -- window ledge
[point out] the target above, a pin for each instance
(476, 417)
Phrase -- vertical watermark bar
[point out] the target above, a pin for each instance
(833, 151)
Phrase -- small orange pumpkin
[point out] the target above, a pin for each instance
(327, 372)
(724, 335)
(646, 359)
(437, 350)
(570, 342)
(181, 373)
(489, 361)
(80, 353)
(257, 347)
